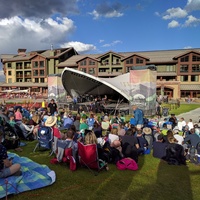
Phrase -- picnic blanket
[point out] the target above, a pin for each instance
(33, 176)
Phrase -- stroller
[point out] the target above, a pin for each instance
(11, 139)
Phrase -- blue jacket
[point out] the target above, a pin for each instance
(139, 115)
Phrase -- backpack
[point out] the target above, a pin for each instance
(127, 163)
(11, 140)
(175, 154)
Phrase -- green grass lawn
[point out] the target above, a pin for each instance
(155, 179)
(182, 109)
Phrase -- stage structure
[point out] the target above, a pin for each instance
(138, 87)
(56, 90)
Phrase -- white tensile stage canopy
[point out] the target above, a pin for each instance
(137, 87)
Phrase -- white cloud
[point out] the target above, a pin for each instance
(175, 13)
(95, 14)
(79, 46)
(39, 9)
(108, 10)
(157, 14)
(192, 5)
(191, 21)
(173, 24)
(100, 41)
(17, 33)
(188, 47)
(110, 14)
(113, 43)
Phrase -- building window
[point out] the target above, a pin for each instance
(128, 69)
(36, 80)
(103, 70)
(91, 70)
(83, 63)
(195, 68)
(106, 62)
(9, 65)
(170, 68)
(10, 80)
(184, 68)
(91, 62)
(195, 58)
(139, 61)
(35, 73)
(35, 64)
(185, 59)
(42, 80)
(83, 69)
(41, 72)
(41, 64)
(194, 78)
(129, 61)
(9, 73)
(184, 78)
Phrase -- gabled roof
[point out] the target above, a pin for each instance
(159, 56)
(30, 55)
(72, 61)
(110, 52)
(134, 54)
(87, 57)
(183, 54)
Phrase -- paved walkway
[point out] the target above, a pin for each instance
(193, 114)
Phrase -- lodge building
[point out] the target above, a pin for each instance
(178, 71)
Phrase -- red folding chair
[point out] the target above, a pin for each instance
(64, 153)
(88, 156)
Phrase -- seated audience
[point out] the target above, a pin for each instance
(18, 115)
(130, 145)
(121, 130)
(148, 136)
(7, 168)
(113, 135)
(192, 140)
(97, 130)
(143, 144)
(51, 122)
(159, 147)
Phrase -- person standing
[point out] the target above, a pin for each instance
(52, 107)
(138, 115)
(44, 104)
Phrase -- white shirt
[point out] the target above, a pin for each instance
(190, 124)
(179, 138)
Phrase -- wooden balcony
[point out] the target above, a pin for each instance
(109, 73)
(19, 67)
(19, 76)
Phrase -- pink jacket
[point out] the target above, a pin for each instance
(18, 115)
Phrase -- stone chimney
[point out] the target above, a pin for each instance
(21, 52)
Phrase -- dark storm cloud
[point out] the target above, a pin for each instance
(106, 8)
(36, 8)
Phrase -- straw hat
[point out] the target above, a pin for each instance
(51, 120)
(147, 131)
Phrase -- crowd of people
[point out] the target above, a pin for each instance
(115, 136)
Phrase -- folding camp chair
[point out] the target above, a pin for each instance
(45, 139)
(64, 153)
(88, 156)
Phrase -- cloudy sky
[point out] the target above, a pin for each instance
(97, 26)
